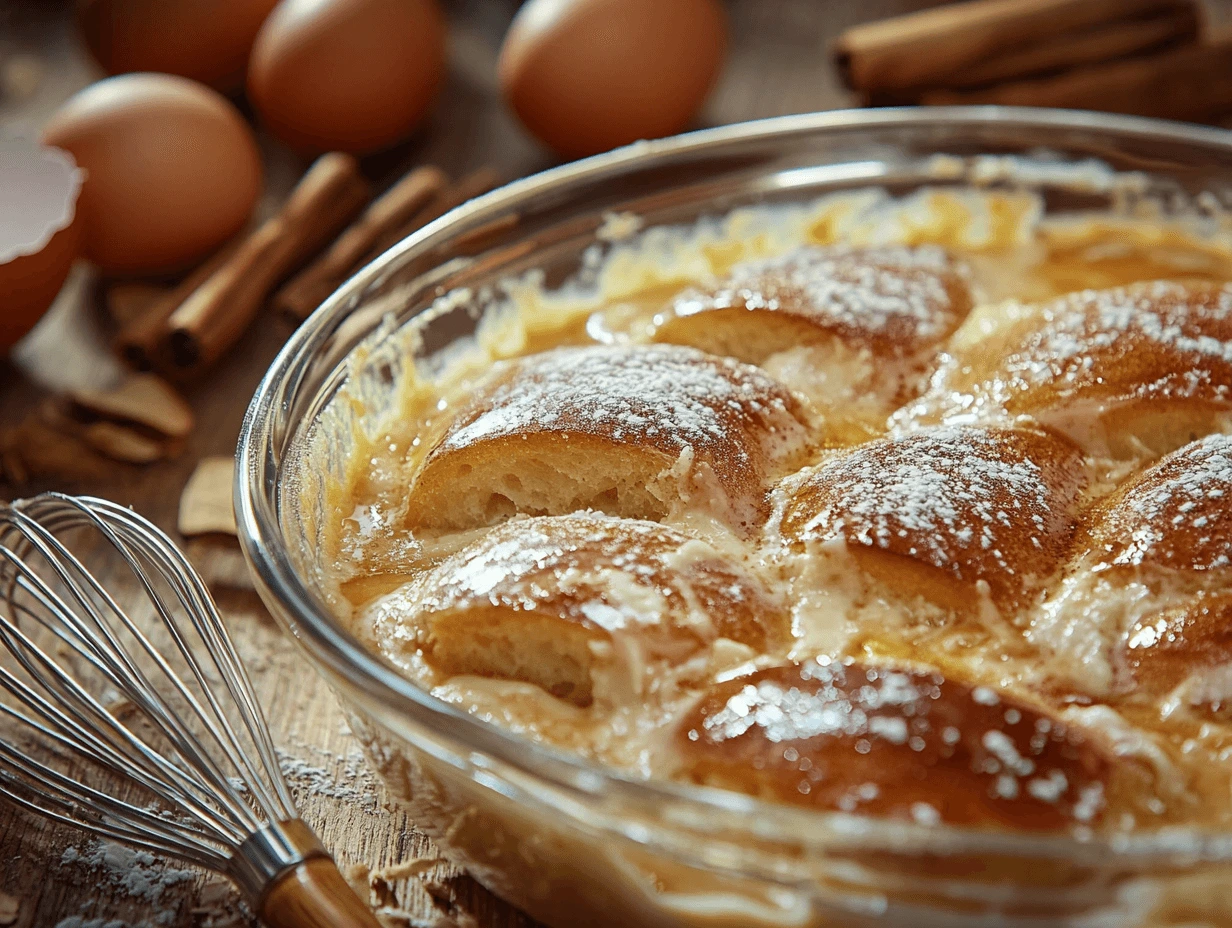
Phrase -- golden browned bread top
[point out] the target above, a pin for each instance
(1160, 339)
(1164, 648)
(665, 396)
(633, 430)
(897, 742)
(594, 610)
(1176, 514)
(1151, 341)
(894, 299)
(979, 504)
(610, 575)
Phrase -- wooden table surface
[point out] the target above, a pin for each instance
(778, 63)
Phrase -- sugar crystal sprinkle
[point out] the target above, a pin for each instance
(948, 496)
(1176, 512)
(887, 291)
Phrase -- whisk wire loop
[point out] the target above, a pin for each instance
(69, 796)
(222, 731)
(105, 746)
(106, 652)
(229, 804)
(115, 829)
(198, 605)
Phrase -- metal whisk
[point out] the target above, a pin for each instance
(155, 701)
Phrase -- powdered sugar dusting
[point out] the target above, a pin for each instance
(791, 713)
(664, 393)
(885, 740)
(897, 295)
(1177, 513)
(611, 574)
(1169, 339)
(962, 499)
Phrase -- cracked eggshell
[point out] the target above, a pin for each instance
(39, 231)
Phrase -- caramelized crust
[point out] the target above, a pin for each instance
(1174, 514)
(893, 301)
(1124, 371)
(899, 743)
(551, 601)
(1163, 650)
(1168, 530)
(935, 512)
(630, 430)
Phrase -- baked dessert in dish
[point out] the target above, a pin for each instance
(908, 528)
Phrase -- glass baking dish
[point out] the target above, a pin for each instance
(573, 843)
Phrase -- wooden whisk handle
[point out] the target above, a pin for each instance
(315, 895)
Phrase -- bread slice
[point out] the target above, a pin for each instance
(1132, 372)
(901, 743)
(892, 300)
(1176, 514)
(939, 511)
(633, 431)
(1169, 529)
(584, 606)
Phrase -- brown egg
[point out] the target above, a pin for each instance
(172, 170)
(39, 233)
(206, 40)
(589, 75)
(347, 75)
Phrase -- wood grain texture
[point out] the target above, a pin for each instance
(779, 63)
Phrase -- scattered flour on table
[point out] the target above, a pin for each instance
(343, 777)
(137, 874)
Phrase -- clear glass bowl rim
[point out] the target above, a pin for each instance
(334, 649)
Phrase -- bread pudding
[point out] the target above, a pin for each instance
(914, 509)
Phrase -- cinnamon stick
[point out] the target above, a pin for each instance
(1193, 83)
(305, 292)
(217, 313)
(943, 47)
(139, 342)
(1105, 42)
(467, 188)
(445, 199)
(127, 300)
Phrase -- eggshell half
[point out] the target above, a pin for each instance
(39, 234)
